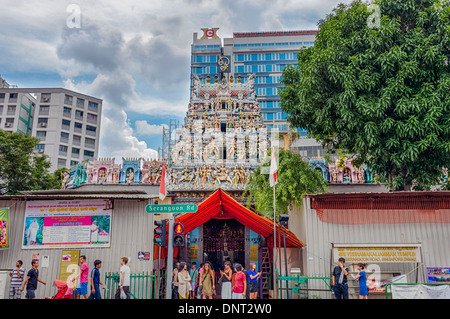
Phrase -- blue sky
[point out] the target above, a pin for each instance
(134, 55)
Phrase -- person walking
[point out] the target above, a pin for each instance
(207, 281)
(193, 273)
(362, 278)
(96, 281)
(82, 287)
(184, 281)
(240, 283)
(32, 280)
(16, 275)
(226, 276)
(124, 281)
(253, 281)
(175, 280)
(199, 287)
(339, 280)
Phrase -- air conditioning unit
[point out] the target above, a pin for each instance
(46, 99)
(43, 124)
(41, 151)
(7, 124)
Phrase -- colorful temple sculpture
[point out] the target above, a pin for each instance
(103, 171)
(345, 172)
(223, 139)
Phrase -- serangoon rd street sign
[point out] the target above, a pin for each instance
(175, 208)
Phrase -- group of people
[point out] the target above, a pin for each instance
(200, 283)
(19, 281)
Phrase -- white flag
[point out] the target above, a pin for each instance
(273, 175)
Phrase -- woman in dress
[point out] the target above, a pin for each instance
(362, 278)
(207, 282)
(226, 275)
(184, 281)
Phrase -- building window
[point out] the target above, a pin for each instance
(45, 97)
(68, 99)
(41, 133)
(89, 153)
(40, 147)
(75, 150)
(80, 103)
(63, 148)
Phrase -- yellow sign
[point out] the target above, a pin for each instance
(69, 264)
(224, 63)
(379, 254)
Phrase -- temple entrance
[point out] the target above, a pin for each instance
(223, 240)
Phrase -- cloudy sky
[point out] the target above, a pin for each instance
(135, 55)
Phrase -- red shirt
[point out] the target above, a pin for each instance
(239, 283)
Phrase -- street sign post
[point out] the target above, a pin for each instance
(175, 208)
(172, 209)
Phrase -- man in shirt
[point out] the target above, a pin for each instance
(95, 281)
(82, 287)
(16, 280)
(124, 283)
(339, 280)
(32, 280)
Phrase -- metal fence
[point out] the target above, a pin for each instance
(297, 287)
(142, 285)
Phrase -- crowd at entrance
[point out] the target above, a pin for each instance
(229, 282)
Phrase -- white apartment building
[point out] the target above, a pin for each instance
(67, 123)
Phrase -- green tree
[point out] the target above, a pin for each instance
(378, 93)
(20, 168)
(296, 178)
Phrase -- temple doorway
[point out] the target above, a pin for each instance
(223, 240)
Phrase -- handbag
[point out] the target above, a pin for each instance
(123, 295)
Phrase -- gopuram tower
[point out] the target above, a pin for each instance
(223, 140)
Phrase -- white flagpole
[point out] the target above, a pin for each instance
(274, 247)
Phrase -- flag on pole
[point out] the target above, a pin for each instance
(162, 185)
(273, 178)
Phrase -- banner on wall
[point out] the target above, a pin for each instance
(438, 275)
(67, 223)
(4, 228)
(420, 292)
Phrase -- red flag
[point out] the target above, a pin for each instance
(162, 185)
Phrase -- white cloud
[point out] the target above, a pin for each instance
(144, 128)
(138, 52)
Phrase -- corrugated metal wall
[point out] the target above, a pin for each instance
(319, 236)
(132, 231)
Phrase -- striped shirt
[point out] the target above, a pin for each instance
(15, 280)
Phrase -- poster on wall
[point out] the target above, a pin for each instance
(67, 223)
(4, 228)
(438, 275)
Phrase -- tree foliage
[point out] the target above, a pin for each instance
(380, 94)
(20, 168)
(296, 178)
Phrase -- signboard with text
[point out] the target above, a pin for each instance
(378, 254)
(67, 223)
(175, 208)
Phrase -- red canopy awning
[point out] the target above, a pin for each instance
(221, 205)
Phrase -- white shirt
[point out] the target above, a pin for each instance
(126, 275)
